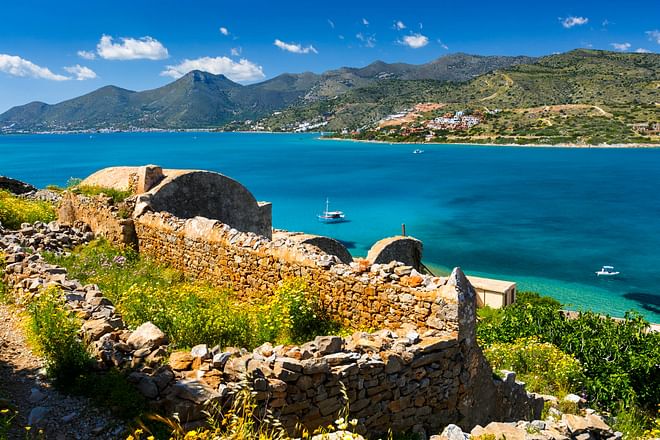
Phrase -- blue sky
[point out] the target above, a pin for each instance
(51, 51)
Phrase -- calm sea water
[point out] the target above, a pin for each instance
(547, 218)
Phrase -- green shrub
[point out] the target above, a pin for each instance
(55, 332)
(542, 366)
(621, 360)
(294, 315)
(15, 210)
(630, 421)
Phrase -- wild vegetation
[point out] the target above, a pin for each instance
(16, 210)
(193, 313)
(620, 360)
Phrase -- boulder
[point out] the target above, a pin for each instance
(328, 344)
(146, 336)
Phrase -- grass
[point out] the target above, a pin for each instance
(15, 210)
(191, 312)
(116, 195)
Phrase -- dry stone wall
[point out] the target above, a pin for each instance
(360, 296)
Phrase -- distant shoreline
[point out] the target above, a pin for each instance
(473, 144)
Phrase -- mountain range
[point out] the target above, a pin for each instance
(203, 100)
(623, 86)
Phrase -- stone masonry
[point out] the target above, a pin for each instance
(395, 380)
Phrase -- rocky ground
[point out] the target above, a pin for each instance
(23, 387)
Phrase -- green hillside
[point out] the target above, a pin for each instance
(581, 96)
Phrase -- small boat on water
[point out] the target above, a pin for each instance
(607, 271)
(418, 151)
(331, 216)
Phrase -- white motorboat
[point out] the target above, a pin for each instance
(418, 151)
(607, 271)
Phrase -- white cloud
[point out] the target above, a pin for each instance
(443, 45)
(241, 71)
(642, 50)
(86, 54)
(236, 51)
(367, 40)
(365, 22)
(224, 31)
(654, 35)
(620, 46)
(569, 22)
(399, 25)
(415, 41)
(331, 23)
(81, 73)
(17, 66)
(131, 49)
(294, 47)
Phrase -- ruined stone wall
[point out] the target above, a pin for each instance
(253, 266)
(101, 215)
(392, 380)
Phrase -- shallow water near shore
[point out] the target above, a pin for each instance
(547, 218)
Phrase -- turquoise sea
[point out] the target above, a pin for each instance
(547, 218)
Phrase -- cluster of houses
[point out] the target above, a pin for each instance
(647, 128)
(454, 121)
(417, 116)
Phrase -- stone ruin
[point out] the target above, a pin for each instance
(421, 370)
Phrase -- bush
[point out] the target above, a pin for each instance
(15, 210)
(189, 314)
(542, 366)
(294, 315)
(621, 360)
(55, 332)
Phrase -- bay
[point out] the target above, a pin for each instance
(547, 218)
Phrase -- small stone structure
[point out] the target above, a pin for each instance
(189, 193)
(408, 250)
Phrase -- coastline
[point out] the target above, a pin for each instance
(472, 144)
(370, 141)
